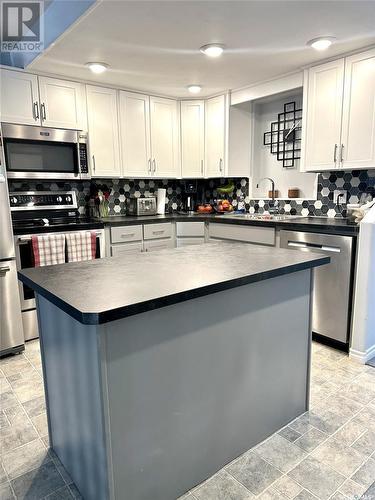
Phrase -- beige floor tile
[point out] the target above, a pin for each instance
(365, 476)
(25, 458)
(350, 432)
(28, 388)
(281, 453)
(287, 487)
(317, 477)
(343, 459)
(352, 490)
(40, 423)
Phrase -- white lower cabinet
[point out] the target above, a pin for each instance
(157, 231)
(126, 248)
(159, 236)
(153, 245)
(248, 234)
(140, 238)
(190, 233)
(189, 229)
(122, 234)
(185, 242)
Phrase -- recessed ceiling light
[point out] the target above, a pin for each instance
(321, 43)
(212, 49)
(194, 89)
(97, 67)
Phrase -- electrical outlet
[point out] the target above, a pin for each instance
(340, 196)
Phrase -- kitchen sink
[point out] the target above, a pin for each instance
(271, 217)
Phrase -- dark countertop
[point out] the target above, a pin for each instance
(297, 223)
(103, 290)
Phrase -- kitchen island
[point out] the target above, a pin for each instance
(161, 368)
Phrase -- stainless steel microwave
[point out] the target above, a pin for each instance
(44, 153)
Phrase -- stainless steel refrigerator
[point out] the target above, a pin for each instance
(11, 331)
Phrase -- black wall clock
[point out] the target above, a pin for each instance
(284, 138)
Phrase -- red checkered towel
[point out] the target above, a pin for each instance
(81, 246)
(48, 250)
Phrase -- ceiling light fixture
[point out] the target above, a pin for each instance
(194, 89)
(212, 49)
(97, 67)
(321, 43)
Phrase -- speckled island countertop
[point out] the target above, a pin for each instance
(104, 290)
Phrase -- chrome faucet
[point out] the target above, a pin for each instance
(273, 204)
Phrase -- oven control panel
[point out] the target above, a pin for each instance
(46, 200)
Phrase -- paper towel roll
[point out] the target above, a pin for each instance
(161, 201)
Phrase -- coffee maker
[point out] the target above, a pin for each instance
(189, 196)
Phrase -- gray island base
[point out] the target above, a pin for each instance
(152, 403)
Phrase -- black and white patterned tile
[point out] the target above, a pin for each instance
(355, 183)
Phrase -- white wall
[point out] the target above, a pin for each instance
(362, 346)
(265, 164)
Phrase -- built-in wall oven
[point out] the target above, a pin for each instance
(44, 153)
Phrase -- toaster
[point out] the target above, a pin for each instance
(142, 206)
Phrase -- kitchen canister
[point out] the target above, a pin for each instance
(161, 193)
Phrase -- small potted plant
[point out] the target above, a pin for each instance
(99, 195)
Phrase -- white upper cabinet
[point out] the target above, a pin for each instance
(215, 131)
(62, 103)
(104, 145)
(31, 100)
(323, 122)
(19, 98)
(164, 137)
(358, 121)
(192, 138)
(340, 114)
(135, 134)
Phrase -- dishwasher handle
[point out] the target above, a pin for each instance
(315, 246)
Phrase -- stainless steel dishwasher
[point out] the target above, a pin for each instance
(332, 283)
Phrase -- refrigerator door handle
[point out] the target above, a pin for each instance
(4, 270)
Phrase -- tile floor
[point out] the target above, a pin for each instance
(326, 453)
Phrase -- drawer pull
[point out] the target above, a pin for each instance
(127, 235)
(161, 231)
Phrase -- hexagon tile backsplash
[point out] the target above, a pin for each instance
(355, 183)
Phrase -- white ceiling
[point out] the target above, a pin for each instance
(153, 46)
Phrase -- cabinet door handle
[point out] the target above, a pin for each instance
(36, 111)
(221, 165)
(43, 111)
(4, 270)
(149, 165)
(154, 162)
(335, 154)
(342, 154)
(201, 166)
(93, 163)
